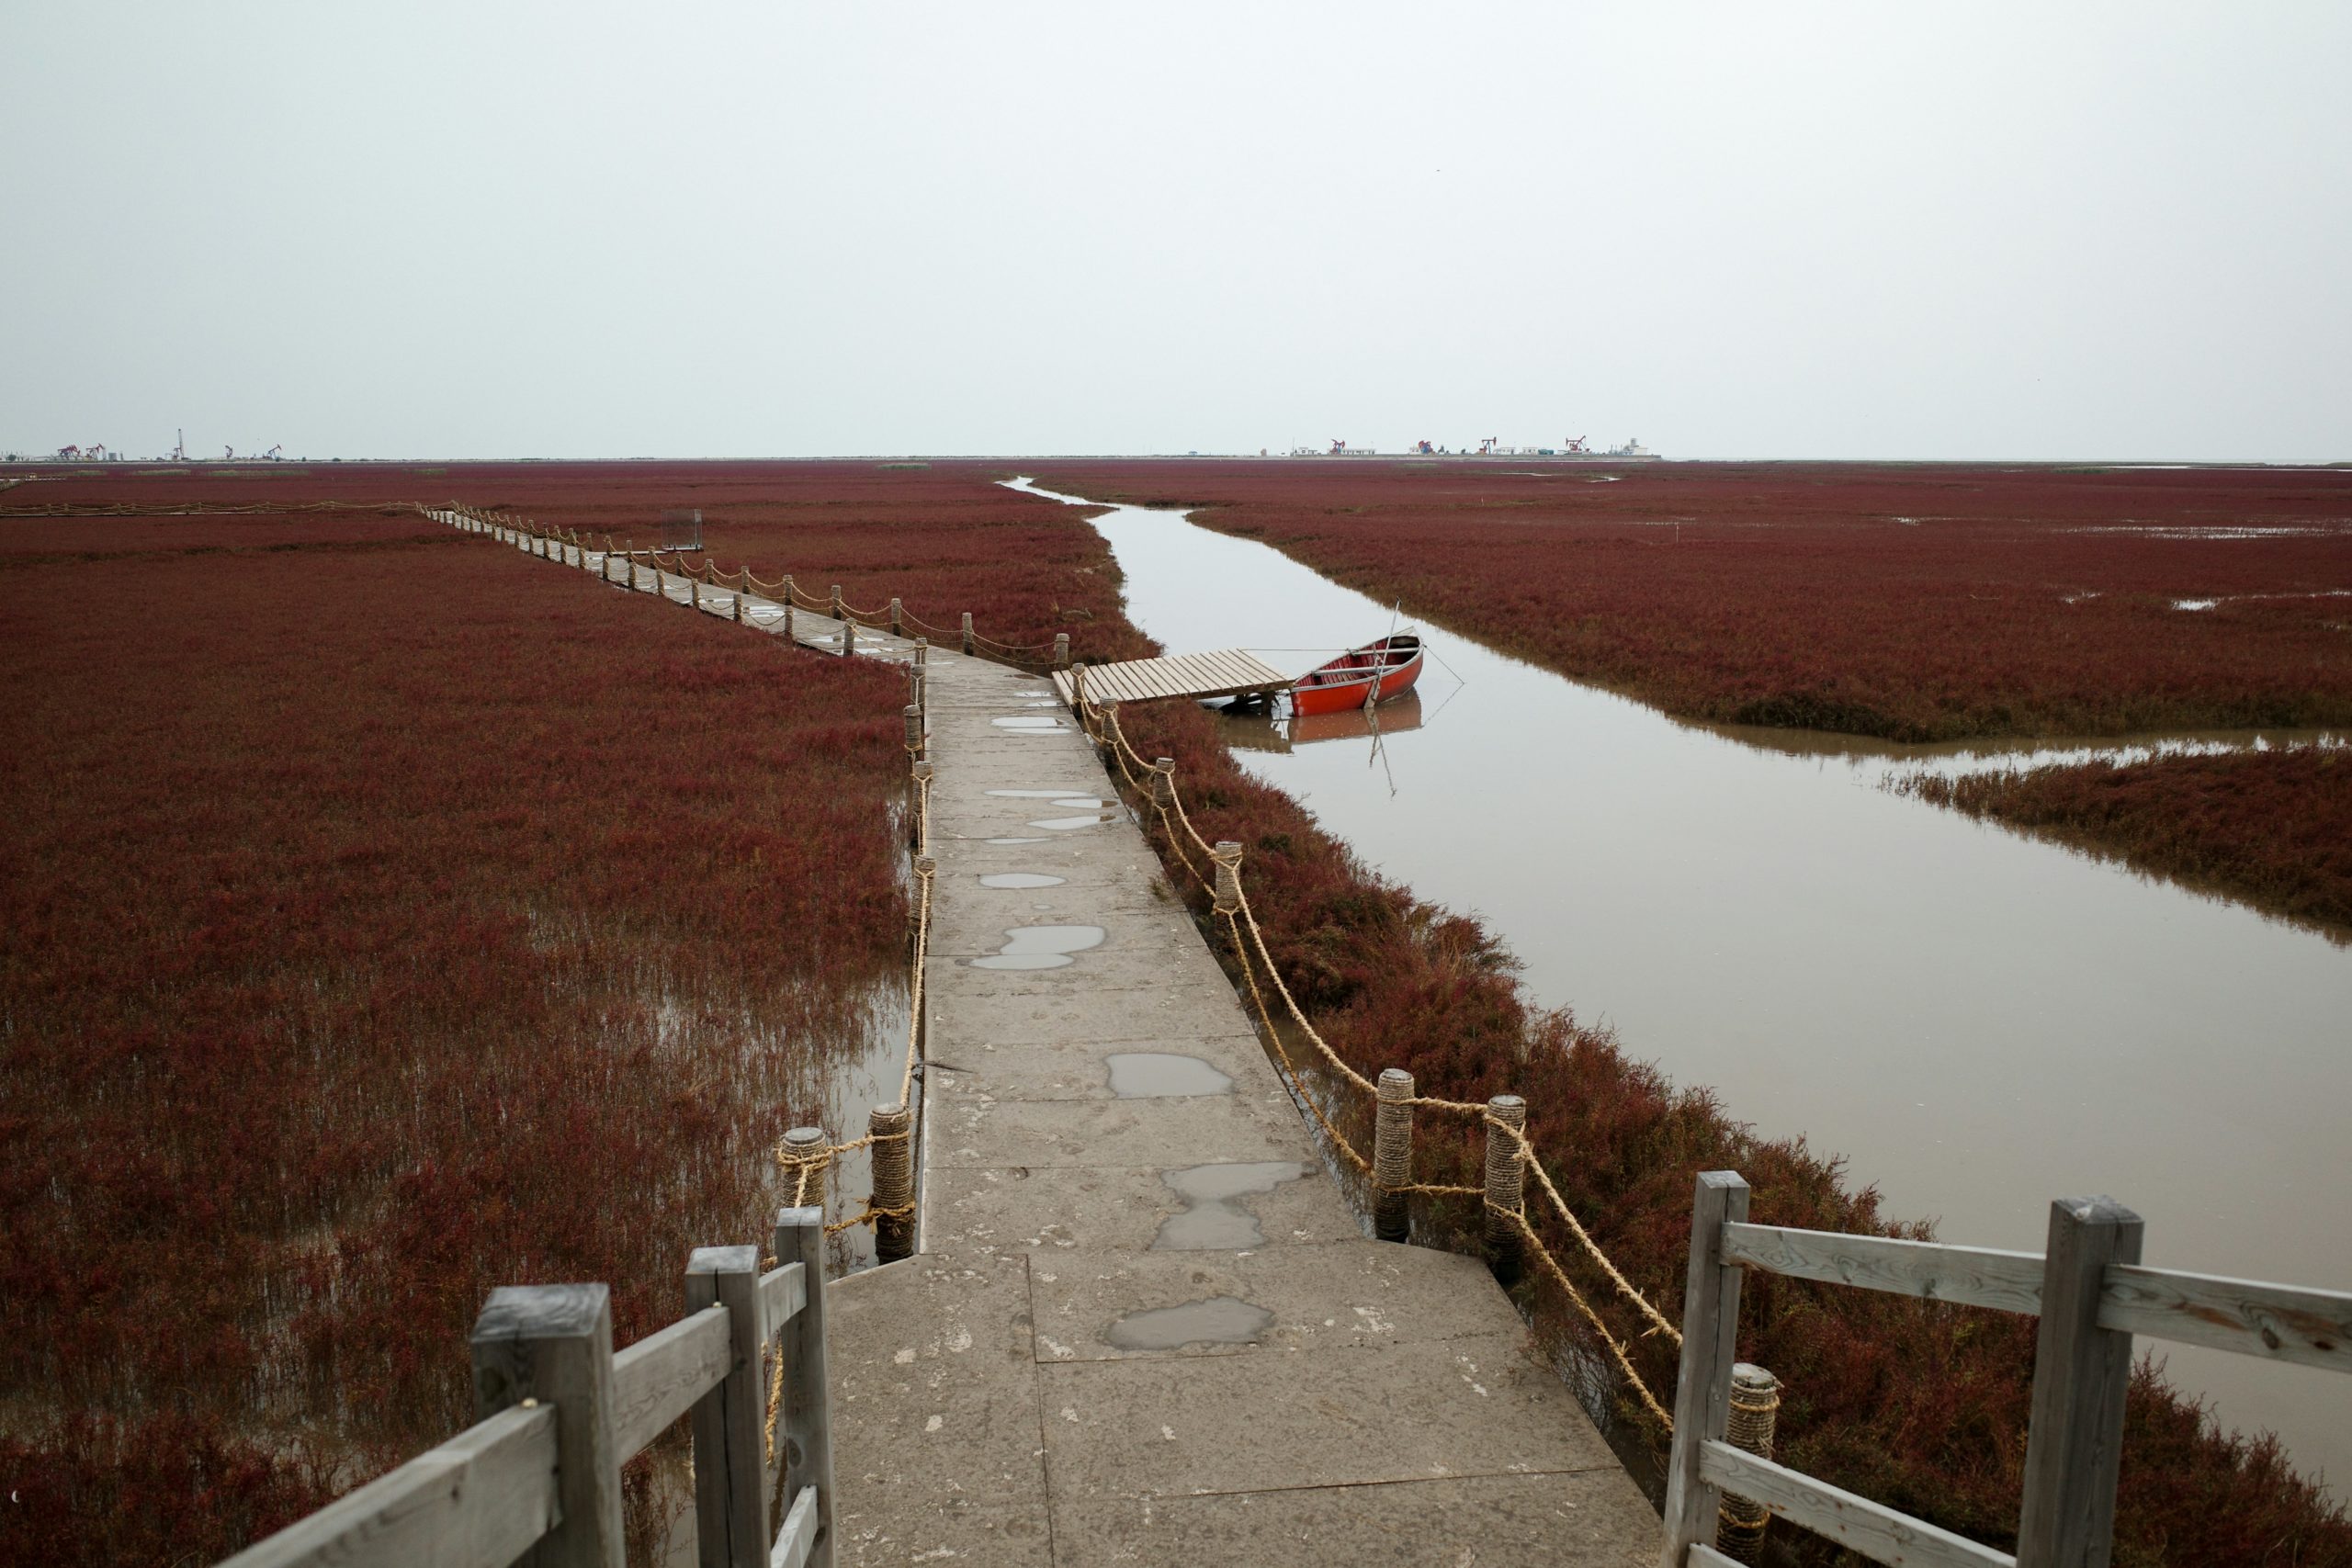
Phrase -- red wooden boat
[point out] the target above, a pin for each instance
(1373, 673)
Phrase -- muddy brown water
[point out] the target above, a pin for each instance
(1980, 1022)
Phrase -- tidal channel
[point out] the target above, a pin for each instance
(1978, 1021)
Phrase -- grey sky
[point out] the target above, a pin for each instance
(1885, 231)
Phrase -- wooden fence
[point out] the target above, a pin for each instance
(2092, 1296)
(540, 1472)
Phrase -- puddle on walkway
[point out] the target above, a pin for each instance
(1211, 1221)
(1156, 1075)
(1220, 1320)
(1012, 841)
(1026, 726)
(1041, 947)
(1072, 793)
(1021, 879)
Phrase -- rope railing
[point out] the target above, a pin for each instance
(1252, 956)
(804, 1156)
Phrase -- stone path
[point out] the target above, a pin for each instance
(1144, 1327)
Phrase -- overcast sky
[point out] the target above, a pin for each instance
(1865, 230)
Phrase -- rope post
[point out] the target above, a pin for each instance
(1061, 650)
(1392, 1155)
(1078, 693)
(1163, 785)
(896, 618)
(967, 633)
(1506, 1176)
(914, 729)
(1227, 856)
(840, 614)
(916, 779)
(806, 1158)
(710, 570)
(694, 592)
(924, 866)
(894, 1181)
(739, 607)
(1755, 1411)
(788, 634)
(922, 654)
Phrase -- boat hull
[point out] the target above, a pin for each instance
(1374, 674)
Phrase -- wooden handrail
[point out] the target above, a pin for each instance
(563, 1413)
(2090, 1292)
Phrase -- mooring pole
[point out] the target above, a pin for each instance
(1392, 1155)
(894, 1181)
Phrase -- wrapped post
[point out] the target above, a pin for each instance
(1163, 783)
(1755, 1411)
(805, 1159)
(1061, 650)
(968, 631)
(918, 777)
(898, 616)
(840, 613)
(925, 867)
(739, 605)
(914, 729)
(1227, 857)
(1505, 1177)
(1392, 1155)
(894, 1181)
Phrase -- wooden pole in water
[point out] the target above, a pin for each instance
(1392, 1155)
(894, 1181)
(1506, 1176)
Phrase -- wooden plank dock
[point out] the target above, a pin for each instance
(1223, 672)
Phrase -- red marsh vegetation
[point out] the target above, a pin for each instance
(1921, 1406)
(940, 536)
(2274, 828)
(1925, 603)
(386, 918)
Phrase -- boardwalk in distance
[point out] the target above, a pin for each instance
(1144, 1327)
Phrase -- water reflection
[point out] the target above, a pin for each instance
(1979, 1021)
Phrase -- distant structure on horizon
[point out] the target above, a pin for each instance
(1574, 449)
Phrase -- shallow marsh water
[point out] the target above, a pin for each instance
(1978, 1020)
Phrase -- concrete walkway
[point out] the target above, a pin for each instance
(1144, 1327)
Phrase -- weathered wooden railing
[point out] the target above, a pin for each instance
(2092, 1296)
(540, 1472)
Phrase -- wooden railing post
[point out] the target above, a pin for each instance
(2081, 1373)
(805, 1430)
(1703, 1389)
(1061, 650)
(968, 632)
(1225, 896)
(896, 618)
(1506, 1184)
(729, 1422)
(553, 1344)
(914, 713)
(1163, 783)
(1392, 1155)
(739, 605)
(841, 613)
(894, 1181)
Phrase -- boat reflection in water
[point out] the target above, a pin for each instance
(1261, 728)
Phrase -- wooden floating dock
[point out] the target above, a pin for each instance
(1224, 672)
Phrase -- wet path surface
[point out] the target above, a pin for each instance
(1144, 1327)
(1979, 1021)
